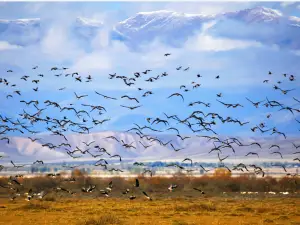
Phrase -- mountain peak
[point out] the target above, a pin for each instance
(256, 14)
(89, 22)
(162, 12)
(265, 11)
(21, 21)
(165, 13)
(147, 25)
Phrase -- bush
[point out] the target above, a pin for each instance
(209, 207)
(78, 173)
(221, 172)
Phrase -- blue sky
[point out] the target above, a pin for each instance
(242, 63)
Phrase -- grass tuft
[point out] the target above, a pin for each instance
(179, 222)
(102, 220)
(209, 207)
(268, 221)
(34, 206)
(50, 199)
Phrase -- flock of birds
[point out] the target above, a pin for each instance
(17, 191)
(34, 112)
(89, 189)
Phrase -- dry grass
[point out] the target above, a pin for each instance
(102, 220)
(184, 206)
(199, 210)
(209, 207)
(34, 206)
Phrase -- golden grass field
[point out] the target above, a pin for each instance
(175, 211)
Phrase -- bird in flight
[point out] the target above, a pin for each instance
(177, 94)
(131, 107)
(79, 97)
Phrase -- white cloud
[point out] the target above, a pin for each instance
(116, 56)
(93, 62)
(7, 46)
(101, 40)
(286, 4)
(208, 25)
(59, 45)
(34, 7)
(205, 42)
(297, 53)
(104, 56)
(209, 43)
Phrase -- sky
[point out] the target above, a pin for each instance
(240, 53)
(123, 10)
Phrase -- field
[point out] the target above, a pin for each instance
(175, 211)
(222, 203)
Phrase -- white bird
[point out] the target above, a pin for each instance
(109, 188)
(172, 187)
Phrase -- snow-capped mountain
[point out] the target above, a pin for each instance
(166, 25)
(256, 15)
(261, 24)
(20, 31)
(87, 28)
(30, 31)
(265, 25)
(23, 149)
(294, 21)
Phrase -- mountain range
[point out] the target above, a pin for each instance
(22, 149)
(261, 24)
